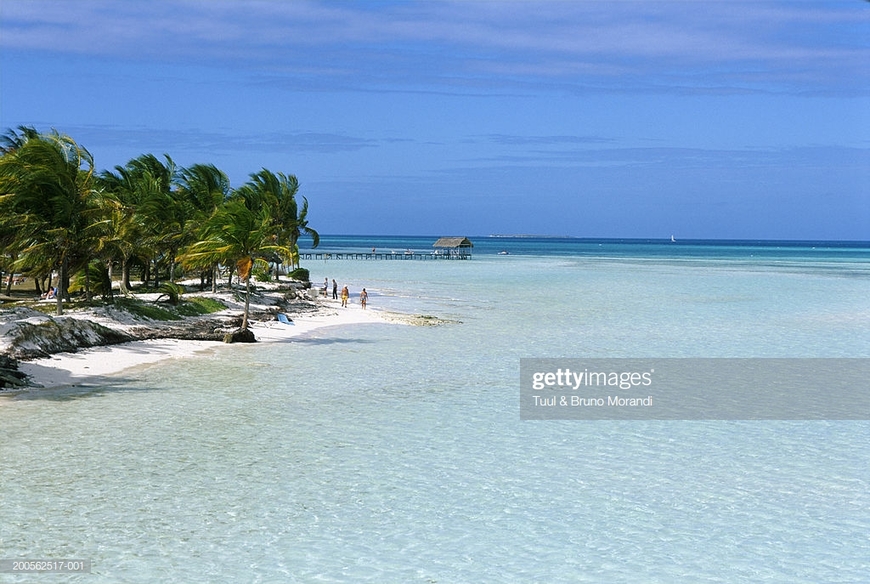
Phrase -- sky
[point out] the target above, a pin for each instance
(723, 120)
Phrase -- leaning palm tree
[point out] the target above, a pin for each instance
(299, 227)
(48, 198)
(202, 188)
(131, 232)
(118, 237)
(12, 140)
(276, 193)
(234, 235)
(151, 209)
(161, 209)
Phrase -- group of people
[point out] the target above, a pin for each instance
(345, 293)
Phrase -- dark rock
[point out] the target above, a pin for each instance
(62, 335)
(192, 330)
(10, 376)
(240, 336)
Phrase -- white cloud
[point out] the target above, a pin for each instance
(443, 43)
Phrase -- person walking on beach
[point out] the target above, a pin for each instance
(345, 294)
(334, 290)
(363, 298)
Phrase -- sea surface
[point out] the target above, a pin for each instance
(393, 453)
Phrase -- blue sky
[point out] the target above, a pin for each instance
(592, 119)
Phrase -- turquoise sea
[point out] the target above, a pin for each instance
(391, 453)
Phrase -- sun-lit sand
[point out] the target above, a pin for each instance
(88, 365)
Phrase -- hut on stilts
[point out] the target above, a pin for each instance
(454, 247)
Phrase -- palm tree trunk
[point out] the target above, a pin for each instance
(247, 302)
(59, 289)
(88, 281)
(124, 285)
(109, 265)
(172, 252)
(12, 258)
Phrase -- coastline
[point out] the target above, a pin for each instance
(88, 365)
(152, 342)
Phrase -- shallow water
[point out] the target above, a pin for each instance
(390, 453)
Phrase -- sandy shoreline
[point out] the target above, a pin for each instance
(88, 366)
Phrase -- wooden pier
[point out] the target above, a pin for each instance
(446, 248)
(382, 256)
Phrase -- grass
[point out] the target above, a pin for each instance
(194, 307)
(199, 305)
(146, 309)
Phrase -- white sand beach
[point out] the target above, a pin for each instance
(88, 365)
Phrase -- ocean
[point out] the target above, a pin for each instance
(394, 453)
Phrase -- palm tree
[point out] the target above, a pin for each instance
(277, 194)
(149, 223)
(47, 181)
(9, 253)
(202, 187)
(11, 140)
(238, 235)
(298, 228)
(125, 238)
(161, 209)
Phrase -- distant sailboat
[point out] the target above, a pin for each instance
(673, 240)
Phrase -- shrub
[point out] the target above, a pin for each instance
(300, 274)
(171, 291)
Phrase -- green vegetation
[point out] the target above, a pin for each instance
(67, 226)
(300, 274)
(171, 292)
(194, 307)
(147, 309)
(41, 307)
(262, 274)
(199, 305)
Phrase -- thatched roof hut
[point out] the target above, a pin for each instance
(458, 247)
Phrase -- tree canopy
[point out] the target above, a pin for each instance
(60, 218)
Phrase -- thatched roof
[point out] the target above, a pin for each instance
(453, 242)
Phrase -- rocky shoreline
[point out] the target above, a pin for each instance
(27, 333)
(32, 340)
